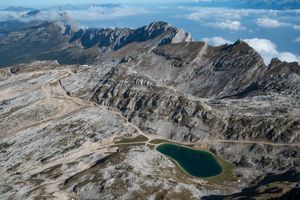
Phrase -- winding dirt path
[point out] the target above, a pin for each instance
(93, 104)
(252, 142)
(55, 93)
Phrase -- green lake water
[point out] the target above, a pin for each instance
(197, 163)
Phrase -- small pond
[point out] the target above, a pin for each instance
(197, 163)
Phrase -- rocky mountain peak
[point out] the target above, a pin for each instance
(159, 26)
(120, 37)
(279, 67)
(239, 46)
(274, 61)
(32, 13)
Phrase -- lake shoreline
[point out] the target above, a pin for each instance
(200, 158)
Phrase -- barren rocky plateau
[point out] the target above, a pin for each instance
(82, 111)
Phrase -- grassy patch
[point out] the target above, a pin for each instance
(127, 145)
(159, 141)
(152, 147)
(139, 138)
(227, 176)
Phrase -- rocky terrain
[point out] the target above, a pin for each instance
(83, 123)
(40, 40)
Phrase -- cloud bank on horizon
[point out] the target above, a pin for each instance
(262, 29)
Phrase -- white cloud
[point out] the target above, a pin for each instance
(231, 25)
(222, 18)
(268, 50)
(217, 17)
(6, 15)
(288, 57)
(103, 13)
(269, 23)
(296, 27)
(213, 14)
(297, 39)
(216, 41)
(81, 13)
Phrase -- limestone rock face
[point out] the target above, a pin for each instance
(234, 71)
(120, 37)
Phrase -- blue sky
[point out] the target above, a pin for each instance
(42, 3)
(273, 33)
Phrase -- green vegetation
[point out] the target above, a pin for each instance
(151, 146)
(127, 145)
(183, 100)
(158, 141)
(139, 138)
(227, 176)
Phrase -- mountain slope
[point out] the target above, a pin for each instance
(59, 42)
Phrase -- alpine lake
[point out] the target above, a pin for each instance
(197, 163)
